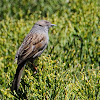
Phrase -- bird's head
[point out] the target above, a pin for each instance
(44, 23)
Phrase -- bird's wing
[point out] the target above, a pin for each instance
(32, 44)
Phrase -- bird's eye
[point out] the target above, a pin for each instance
(40, 25)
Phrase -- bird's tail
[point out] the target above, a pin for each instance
(17, 77)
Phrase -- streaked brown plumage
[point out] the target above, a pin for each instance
(32, 47)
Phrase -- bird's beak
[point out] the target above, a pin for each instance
(53, 25)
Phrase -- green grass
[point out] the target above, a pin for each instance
(69, 67)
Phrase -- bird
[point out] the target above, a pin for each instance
(32, 47)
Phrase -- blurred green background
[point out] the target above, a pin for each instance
(69, 67)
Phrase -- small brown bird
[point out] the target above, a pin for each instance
(32, 47)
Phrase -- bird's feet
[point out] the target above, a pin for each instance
(35, 69)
